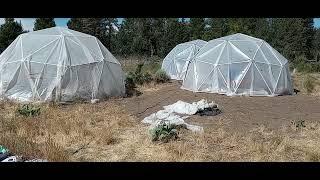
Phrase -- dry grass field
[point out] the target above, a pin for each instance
(106, 132)
(112, 131)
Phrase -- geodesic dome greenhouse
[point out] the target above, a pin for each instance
(59, 64)
(239, 64)
(176, 62)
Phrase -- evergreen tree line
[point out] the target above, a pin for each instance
(295, 38)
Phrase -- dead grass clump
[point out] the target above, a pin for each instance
(313, 156)
(309, 83)
(107, 136)
(179, 151)
(21, 145)
(54, 152)
(196, 146)
(257, 145)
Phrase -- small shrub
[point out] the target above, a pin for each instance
(138, 76)
(309, 83)
(164, 132)
(161, 76)
(29, 110)
(130, 85)
(147, 77)
(302, 65)
(151, 66)
(299, 124)
(300, 59)
(139, 68)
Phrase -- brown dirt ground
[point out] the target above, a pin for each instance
(240, 114)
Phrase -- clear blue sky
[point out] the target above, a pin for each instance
(63, 21)
(317, 22)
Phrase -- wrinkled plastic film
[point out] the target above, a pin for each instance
(59, 64)
(242, 65)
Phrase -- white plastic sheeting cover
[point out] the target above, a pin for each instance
(175, 64)
(11, 159)
(59, 64)
(239, 64)
(170, 114)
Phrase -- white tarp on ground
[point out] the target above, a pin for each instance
(170, 114)
(238, 64)
(59, 64)
(175, 64)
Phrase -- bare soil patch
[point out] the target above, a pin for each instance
(239, 113)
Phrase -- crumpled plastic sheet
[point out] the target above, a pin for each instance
(170, 114)
(181, 107)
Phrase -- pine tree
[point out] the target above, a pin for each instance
(262, 29)
(75, 24)
(90, 26)
(286, 31)
(277, 33)
(242, 25)
(197, 28)
(235, 25)
(9, 31)
(141, 40)
(151, 36)
(101, 28)
(125, 37)
(308, 32)
(43, 23)
(157, 31)
(293, 37)
(108, 30)
(217, 27)
(174, 33)
(316, 44)
(183, 31)
(145, 34)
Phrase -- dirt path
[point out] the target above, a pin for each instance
(240, 114)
